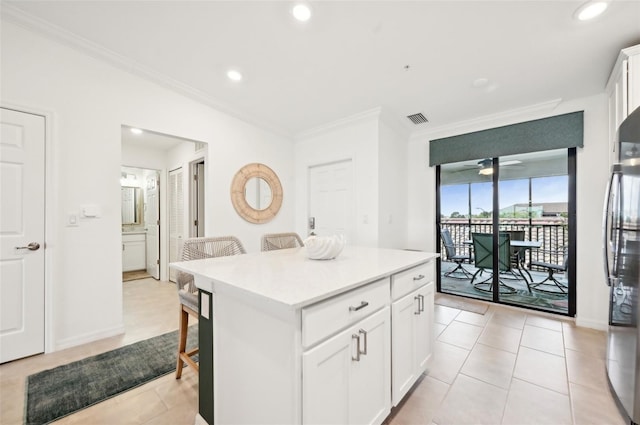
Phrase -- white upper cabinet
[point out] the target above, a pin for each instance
(623, 89)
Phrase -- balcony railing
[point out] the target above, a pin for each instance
(552, 233)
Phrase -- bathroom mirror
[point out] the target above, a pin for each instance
(132, 205)
(256, 193)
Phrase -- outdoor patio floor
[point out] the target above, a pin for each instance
(555, 303)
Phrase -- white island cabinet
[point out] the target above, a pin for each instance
(412, 317)
(289, 340)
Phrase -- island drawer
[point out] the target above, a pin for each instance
(406, 281)
(328, 317)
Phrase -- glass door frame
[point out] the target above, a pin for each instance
(571, 264)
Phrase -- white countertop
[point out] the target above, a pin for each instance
(289, 278)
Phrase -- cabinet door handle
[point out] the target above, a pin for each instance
(417, 297)
(362, 305)
(364, 334)
(421, 303)
(419, 277)
(357, 338)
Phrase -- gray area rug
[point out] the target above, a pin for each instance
(58, 392)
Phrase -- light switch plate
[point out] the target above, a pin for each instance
(90, 211)
(72, 219)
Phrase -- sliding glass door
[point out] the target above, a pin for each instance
(506, 226)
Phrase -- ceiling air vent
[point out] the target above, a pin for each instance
(418, 118)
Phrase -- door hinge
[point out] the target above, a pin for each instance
(195, 223)
(158, 222)
(158, 262)
(195, 177)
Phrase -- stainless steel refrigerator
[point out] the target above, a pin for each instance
(622, 260)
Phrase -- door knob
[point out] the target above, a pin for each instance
(33, 246)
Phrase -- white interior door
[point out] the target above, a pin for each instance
(152, 223)
(176, 217)
(197, 199)
(22, 172)
(331, 203)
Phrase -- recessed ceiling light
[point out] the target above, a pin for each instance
(301, 12)
(136, 131)
(591, 10)
(234, 75)
(480, 82)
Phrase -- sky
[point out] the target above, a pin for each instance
(544, 189)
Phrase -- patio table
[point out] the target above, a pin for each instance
(523, 246)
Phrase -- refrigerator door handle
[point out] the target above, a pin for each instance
(609, 210)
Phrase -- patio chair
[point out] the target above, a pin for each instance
(452, 255)
(518, 255)
(557, 286)
(195, 249)
(483, 260)
(273, 241)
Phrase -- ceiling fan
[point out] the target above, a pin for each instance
(485, 166)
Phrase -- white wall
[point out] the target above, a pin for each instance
(592, 175)
(140, 157)
(356, 139)
(392, 187)
(88, 101)
(378, 147)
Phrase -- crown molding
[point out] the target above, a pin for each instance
(96, 51)
(341, 123)
(616, 70)
(379, 113)
(401, 127)
(487, 121)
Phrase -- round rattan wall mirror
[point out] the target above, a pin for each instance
(256, 193)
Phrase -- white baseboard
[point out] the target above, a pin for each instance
(592, 324)
(89, 337)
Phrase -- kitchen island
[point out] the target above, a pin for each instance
(289, 340)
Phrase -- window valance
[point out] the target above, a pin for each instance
(560, 131)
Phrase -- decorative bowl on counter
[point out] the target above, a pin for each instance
(324, 247)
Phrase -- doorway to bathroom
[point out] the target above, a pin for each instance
(148, 161)
(140, 212)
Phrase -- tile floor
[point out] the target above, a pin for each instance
(507, 366)
(511, 366)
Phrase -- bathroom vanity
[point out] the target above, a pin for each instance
(289, 340)
(134, 256)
